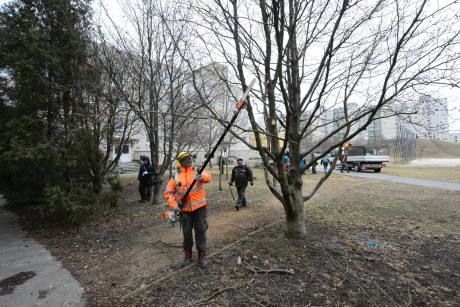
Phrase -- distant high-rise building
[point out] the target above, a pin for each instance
(427, 117)
(431, 118)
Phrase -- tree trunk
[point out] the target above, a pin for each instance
(295, 219)
(157, 196)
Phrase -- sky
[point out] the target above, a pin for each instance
(452, 95)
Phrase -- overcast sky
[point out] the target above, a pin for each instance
(452, 95)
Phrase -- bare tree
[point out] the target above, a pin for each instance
(153, 78)
(112, 121)
(311, 58)
(217, 96)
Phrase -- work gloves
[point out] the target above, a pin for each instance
(145, 173)
(252, 182)
(198, 177)
(176, 209)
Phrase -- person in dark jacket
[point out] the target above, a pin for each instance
(241, 175)
(313, 166)
(145, 179)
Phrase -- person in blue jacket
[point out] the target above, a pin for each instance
(303, 165)
(145, 177)
(325, 162)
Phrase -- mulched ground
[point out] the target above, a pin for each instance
(330, 267)
(128, 256)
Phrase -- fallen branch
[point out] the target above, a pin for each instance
(256, 269)
(206, 300)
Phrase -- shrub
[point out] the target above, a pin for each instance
(115, 190)
(70, 207)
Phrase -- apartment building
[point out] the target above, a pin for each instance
(427, 117)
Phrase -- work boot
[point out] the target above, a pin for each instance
(237, 207)
(187, 259)
(202, 262)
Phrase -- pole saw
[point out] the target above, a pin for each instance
(173, 218)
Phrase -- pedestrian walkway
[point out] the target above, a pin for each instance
(421, 182)
(29, 274)
(435, 162)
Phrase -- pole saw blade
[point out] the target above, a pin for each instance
(242, 102)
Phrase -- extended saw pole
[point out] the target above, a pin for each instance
(240, 105)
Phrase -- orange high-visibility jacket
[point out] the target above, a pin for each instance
(178, 185)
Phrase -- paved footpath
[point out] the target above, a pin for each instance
(29, 274)
(421, 182)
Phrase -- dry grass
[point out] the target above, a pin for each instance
(439, 173)
(437, 149)
(415, 264)
(349, 201)
(346, 201)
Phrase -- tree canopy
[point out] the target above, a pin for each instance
(362, 58)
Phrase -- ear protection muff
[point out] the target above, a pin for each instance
(180, 165)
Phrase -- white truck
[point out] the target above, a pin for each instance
(359, 158)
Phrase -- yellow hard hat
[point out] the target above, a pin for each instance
(182, 154)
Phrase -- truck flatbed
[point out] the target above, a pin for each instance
(358, 159)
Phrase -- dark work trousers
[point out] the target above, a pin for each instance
(146, 192)
(313, 168)
(194, 220)
(344, 167)
(241, 201)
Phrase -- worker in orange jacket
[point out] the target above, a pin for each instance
(193, 214)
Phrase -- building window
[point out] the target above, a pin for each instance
(125, 149)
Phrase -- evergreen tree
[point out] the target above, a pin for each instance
(43, 51)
